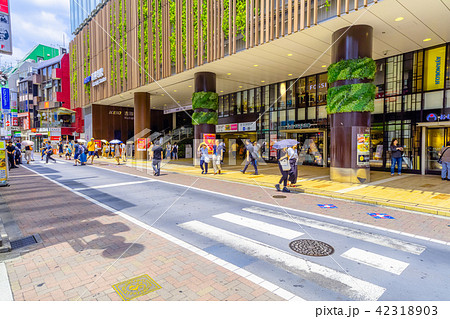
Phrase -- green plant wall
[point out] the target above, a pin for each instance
(74, 78)
(87, 63)
(205, 118)
(205, 100)
(356, 97)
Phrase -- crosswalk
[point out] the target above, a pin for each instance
(256, 236)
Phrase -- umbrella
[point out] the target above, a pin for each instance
(27, 143)
(81, 140)
(104, 141)
(115, 142)
(284, 143)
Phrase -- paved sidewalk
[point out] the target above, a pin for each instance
(77, 259)
(428, 194)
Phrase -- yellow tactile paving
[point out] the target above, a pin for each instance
(396, 195)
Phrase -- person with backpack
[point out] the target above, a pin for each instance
(84, 153)
(77, 153)
(251, 157)
(444, 160)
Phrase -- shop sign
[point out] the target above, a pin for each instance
(5, 31)
(26, 122)
(363, 151)
(178, 109)
(223, 128)
(128, 115)
(3, 163)
(115, 112)
(5, 100)
(98, 77)
(141, 144)
(55, 138)
(247, 126)
(433, 117)
(434, 68)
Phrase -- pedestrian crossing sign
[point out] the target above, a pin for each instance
(326, 206)
(380, 216)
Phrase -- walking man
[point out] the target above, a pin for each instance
(11, 149)
(28, 153)
(49, 152)
(251, 157)
(91, 150)
(157, 155)
(445, 160)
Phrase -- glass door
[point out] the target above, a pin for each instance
(311, 148)
(436, 139)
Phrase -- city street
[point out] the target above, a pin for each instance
(252, 238)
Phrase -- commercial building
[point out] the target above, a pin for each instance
(268, 62)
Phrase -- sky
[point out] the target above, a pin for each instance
(37, 22)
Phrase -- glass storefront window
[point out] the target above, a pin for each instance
(258, 99)
(226, 105)
(291, 117)
(220, 106)
(322, 90)
(379, 106)
(394, 75)
(244, 102)
(394, 104)
(435, 141)
(412, 102)
(376, 149)
(447, 70)
(301, 114)
(238, 102)
(233, 104)
(273, 96)
(290, 98)
(265, 121)
(379, 79)
(282, 118)
(273, 120)
(266, 98)
(301, 92)
(433, 100)
(447, 103)
(311, 89)
(311, 113)
(282, 96)
(251, 101)
(322, 112)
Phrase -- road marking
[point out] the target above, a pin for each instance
(341, 230)
(5, 288)
(113, 185)
(374, 260)
(390, 179)
(233, 268)
(260, 226)
(354, 288)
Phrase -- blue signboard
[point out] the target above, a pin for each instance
(6, 107)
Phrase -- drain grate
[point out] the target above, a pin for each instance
(311, 247)
(23, 242)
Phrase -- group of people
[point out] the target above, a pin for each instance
(287, 163)
(216, 158)
(14, 152)
(169, 151)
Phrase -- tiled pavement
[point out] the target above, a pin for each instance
(428, 194)
(82, 241)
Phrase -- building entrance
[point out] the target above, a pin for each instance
(434, 136)
(312, 147)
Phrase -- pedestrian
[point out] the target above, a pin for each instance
(32, 153)
(175, 151)
(293, 160)
(68, 152)
(43, 149)
(108, 150)
(83, 154)
(117, 153)
(60, 148)
(444, 160)
(28, 153)
(77, 152)
(204, 157)
(396, 157)
(233, 150)
(150, 151)
(18, 155)
(223, 148)
(168, 150)
(283, 165)
(104, 150)
(217, 157)
(11, 149)
(97, 150)
(157, 156)
(123, 151)
(49, 152)
(256, 151)
(91, 150)
(251, 157)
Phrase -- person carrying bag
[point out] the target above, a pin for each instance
(444, 160)
(284, 166)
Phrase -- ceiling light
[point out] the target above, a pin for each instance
(189, 86)
(165, 104)
(263, 81)
(290, 74)
(240, 86)
(221, 91)
(178, 101)
(427, 39)
(255, 64)
(162, 94)
(289, 54)
(174, 90)
(228, 73)
(324, 66)
(398, 19)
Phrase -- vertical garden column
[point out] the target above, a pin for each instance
(141, 122)
(351, 96)
(205, 102)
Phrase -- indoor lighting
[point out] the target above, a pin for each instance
(289, 54)
(174, 90)
(398, 19)
(189, 86)
(290, 74)
(162, 94)
(240, 86)
(263, 81)
(228, 73)
(255, 64)
(221, 91)
(324, 66)
(427, 39)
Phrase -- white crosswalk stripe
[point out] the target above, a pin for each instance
(260, 226)
(352, 287)
(113, 185)
(375, 260)
(341, 230)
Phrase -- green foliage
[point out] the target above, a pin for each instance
(351, 98)
(146, 23)
(74, 73)
(362, 68)
(204, 118)
(205, 100)
(241, 7)
(87, 63)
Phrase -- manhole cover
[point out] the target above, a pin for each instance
(311, 247)
(136, 287)
(23, 242)
(279, 196)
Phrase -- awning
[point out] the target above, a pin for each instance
(64, 111)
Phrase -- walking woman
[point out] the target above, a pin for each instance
(396, 157)
(216, 158)
(117, 153)
(283, 164)
(204, 157)
(293, 159)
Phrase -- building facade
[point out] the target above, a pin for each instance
(270, 60)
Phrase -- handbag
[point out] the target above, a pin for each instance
(440, 158)
(207, 159)
(285, 166)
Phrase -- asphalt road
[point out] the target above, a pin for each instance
(367, 263)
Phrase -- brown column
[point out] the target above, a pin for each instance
(204, 82)
(349, 43)
(141, 121)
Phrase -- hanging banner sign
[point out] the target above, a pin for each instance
(141, 144)
(434, 68)
(6, 107)
(210, 140)
(5, 28)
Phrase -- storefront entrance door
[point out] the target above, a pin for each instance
(435, 140)
(312, 147)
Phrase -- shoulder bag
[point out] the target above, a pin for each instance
(285, 166)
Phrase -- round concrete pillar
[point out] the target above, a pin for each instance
(349, 43)
(141, 121)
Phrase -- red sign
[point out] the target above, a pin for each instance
(141, 144)
(55, 138)
(98, 144)
(33, 130)
(15, 121)
(210, 140)
(7, 123)
(26, 122)
(4, 6)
